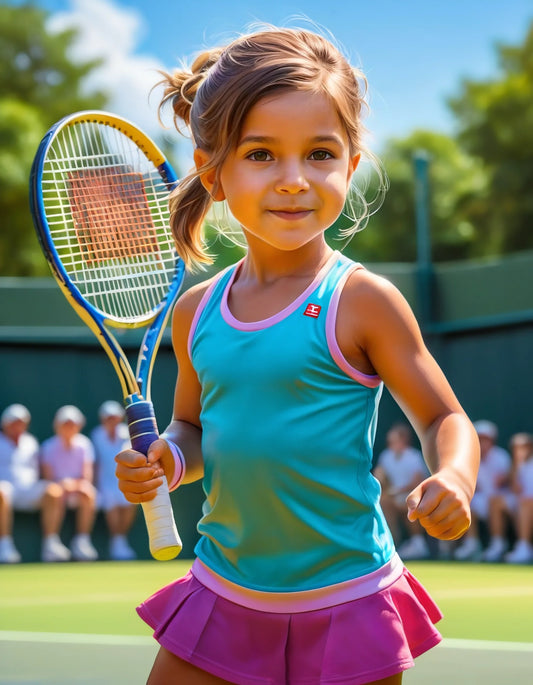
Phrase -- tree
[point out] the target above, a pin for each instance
(495, 120)
(39, 85)
(456, 183)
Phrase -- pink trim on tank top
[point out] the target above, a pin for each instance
(370, 381)
(306, 600)
(201, 307)
(279, 316)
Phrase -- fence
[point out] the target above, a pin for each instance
(479, 327)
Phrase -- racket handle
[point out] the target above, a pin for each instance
(163, 535)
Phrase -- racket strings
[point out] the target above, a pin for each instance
(107, 209)
(111, 214)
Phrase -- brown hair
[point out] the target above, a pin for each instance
(215, 95)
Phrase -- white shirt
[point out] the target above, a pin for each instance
(525, 478)
(496, 463)
(19, 464)
(400, 468)
(105, 452)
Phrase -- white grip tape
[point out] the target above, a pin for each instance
(164, 539)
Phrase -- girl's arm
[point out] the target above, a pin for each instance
(378, 333)
(140, 476)
(185, 429)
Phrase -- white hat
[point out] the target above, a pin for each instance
(486, 429)
(69, 413)
(111, 408)
(15, 412)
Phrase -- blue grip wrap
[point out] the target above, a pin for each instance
(142, 425)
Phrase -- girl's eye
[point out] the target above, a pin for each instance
(259, 156)
(321, 155)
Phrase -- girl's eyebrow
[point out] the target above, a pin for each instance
(265, 140)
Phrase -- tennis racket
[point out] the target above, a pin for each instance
(99, 199)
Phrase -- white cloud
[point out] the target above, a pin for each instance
(111, 33)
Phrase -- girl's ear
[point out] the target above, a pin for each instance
(353, 164)
(208, 178)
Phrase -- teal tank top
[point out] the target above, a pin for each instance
(288, 433)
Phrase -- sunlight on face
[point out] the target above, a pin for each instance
(287, 180)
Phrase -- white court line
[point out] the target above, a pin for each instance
(139, 640)
(487, 645)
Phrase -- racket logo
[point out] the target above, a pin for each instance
(312, 310)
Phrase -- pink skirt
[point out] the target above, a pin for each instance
(353, 643)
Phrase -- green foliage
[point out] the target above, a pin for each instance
(456, 182)
(20, 127)
(39, 85)
(495, 120)
(481, 202)
(480, 179)
(35, 67)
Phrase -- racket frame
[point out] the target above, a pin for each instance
(135, 385)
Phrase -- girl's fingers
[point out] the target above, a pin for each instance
(137, 493)
(440, 510)
(138, 479)
(140, 474)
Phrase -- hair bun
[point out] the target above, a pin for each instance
(182, 85)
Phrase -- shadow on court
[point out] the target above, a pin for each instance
(39, 662)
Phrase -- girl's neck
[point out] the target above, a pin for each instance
(267, 266)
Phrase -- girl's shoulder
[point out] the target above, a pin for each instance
(372, 318)
(188, 302)
(187, 306)
(372, 297)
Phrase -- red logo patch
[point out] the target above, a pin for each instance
(313, 310)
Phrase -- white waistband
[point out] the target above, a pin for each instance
(305, 600)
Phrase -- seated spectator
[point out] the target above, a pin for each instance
(399, 469)
(110, 438)
(515, 504)
(68, 459)
(493, 479)
(22, 490)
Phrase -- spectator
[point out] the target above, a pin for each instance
(110, 438)
(493, 479)
(515, 504)
(22, 490)
(68, 459)
(399, 469)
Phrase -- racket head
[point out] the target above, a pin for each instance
(99, 191)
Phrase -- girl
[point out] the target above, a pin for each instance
(282, 360)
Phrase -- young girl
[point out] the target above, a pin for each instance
(282, 359)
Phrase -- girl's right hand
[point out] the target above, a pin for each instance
(139, 476)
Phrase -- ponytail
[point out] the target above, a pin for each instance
(190, 201)
(189, 205)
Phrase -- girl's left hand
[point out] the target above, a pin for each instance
(441, 506)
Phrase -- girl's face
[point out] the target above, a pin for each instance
(287, 180)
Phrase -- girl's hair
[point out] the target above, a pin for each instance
(216, 93)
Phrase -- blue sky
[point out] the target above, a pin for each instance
(414, 52)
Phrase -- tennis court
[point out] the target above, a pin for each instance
(76, 623)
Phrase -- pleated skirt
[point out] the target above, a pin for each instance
(352, 643)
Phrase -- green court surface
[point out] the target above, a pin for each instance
(76, 623)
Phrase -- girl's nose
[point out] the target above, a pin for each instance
(292, 178)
